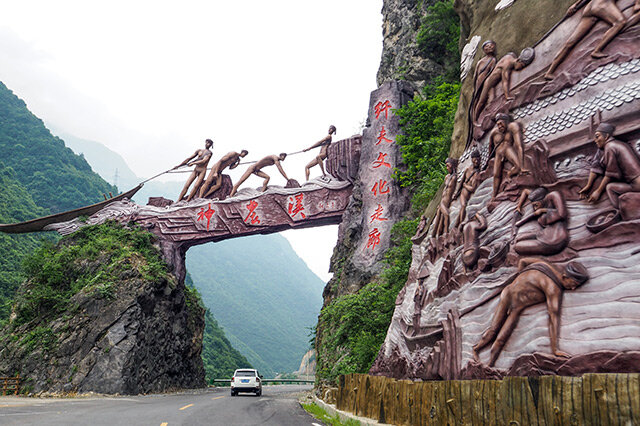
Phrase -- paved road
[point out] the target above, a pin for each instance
(278, 405)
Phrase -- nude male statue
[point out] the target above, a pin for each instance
(468, 185)
(595, 10)
(231, 160)
(471, 231)
(441, 222)
(200, 159)
(537, 282)
(550, 211)
(615, 160)
(506, 142)
(502, 74)
(484, 67)
(256, 169)
(318, 161)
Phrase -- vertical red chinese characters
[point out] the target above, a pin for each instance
(205, 214)
(295, 206)
(252, 216)
(382, 167)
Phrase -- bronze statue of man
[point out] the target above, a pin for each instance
(550, 210)
(200, 159)
(471, 231)
(502, 74)
(506, 143)
(230, 160)
(256, 169)
(441, 222)
(537, 282)
(468, 185)
(484, 67)
(594, 11)
(618, 163)
(322, 155)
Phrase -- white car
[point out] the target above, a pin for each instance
(246, 380)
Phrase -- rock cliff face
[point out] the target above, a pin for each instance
(138, 332)
(401, 58)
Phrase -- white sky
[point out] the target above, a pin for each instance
(152, 80)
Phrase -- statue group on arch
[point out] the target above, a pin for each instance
(202, 188)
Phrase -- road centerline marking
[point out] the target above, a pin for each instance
(185, 407)
(217, 397)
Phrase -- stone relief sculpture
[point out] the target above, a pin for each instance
(468, 185)
(323, 144)
(594, 11)
(256, 169)
(501, 74)
(214, 180)
(618, 165)
(550, 211)
(200, 159)
(471, 233)
(441, 222)
(536, 282)
(506, 143)
(484, 68)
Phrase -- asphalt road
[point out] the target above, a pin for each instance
(278, 405)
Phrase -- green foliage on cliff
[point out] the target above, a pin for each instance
(427, 126)
(438, 37)
(354, 326)
(92, 260)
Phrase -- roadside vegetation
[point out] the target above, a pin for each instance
(320, 414)
(355, 326)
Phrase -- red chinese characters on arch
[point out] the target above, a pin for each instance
(252, 217)
(296, 207)
(205, 214)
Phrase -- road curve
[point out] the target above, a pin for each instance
(278, 405)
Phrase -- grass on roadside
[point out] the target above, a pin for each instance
(320, 414)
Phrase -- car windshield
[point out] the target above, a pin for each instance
(245, 373)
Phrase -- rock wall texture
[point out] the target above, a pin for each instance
(472, 284)
(145, 337)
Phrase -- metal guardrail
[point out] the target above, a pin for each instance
(10, 384)
(281, 381)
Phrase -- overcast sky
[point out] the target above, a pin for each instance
(152, 80)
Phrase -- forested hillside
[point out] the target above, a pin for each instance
(38, 176)
(264, 296)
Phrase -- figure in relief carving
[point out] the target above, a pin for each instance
(468, 185)
(537, 281)
(471, 231)
(506, 142)
(322, 155)
(618, 163)
(484, 67)
(551, 213)
(419, 298)
(421, 232)
(441, 222)
(230, 160)
(256, 169)
(594, 11)
(200, 159)
(502, 74)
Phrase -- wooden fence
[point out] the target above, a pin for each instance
(593, 399)
(10, 384)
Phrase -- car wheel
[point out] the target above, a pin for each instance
(233, 393)
(259, 393)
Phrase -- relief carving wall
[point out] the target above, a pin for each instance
(532, 266)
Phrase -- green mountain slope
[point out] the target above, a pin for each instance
(38, 176)
(263, 295)
(54, 176)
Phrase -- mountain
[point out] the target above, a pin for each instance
(263, 294)
(38, 176)
(265, 304)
